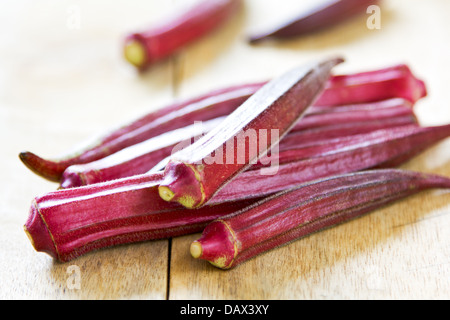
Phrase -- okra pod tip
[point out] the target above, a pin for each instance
(218, 245)
(45, 168)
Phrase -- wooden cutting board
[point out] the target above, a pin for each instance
(63, 80)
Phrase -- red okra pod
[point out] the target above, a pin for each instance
(362, 87)
(321, 16)
(396, 81)
(191, 178)
(308, 208)
(70, 222)
(309, 143)
(142, 157)
(378, 149)
(136, 159)
(143, 49)
(413, 134)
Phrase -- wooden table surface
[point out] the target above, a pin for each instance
(63, 79)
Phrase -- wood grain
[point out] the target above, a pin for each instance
(61, 84)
